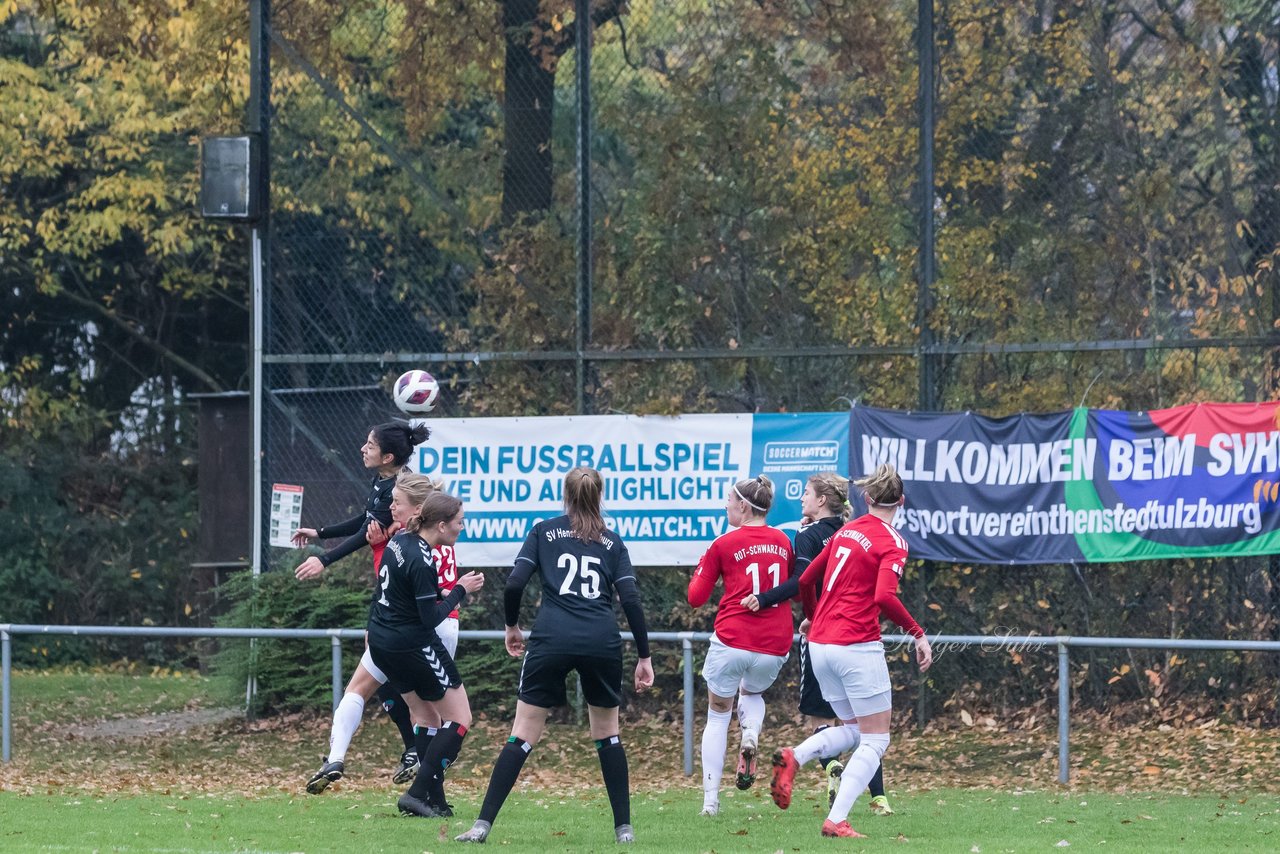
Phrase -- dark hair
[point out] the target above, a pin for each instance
(583, 488)
(883, 487)
(757, 492)
(436, 507)
(398, 439)
(834, 487)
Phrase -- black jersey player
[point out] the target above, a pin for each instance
(385, 451)
(403, 642)
(582, 566)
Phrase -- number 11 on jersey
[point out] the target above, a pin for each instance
(753, 570)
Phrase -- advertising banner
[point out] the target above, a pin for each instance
(666, 478)
(1084, 486)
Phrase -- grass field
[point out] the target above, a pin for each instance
(940, 820)
(122, 761)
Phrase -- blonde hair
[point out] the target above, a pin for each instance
(883, 487)
(756, 493)
(583, 489)
(834, 487)
(416, 487)
(436, 507)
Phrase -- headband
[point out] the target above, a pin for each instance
(751, 504)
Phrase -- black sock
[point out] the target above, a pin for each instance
(435, 790)
(877, 782)
(396, 709)
(435, 754)
(503, 779)
(824, 761)
(613, 767)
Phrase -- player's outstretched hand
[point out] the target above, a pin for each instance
(750, 602)
(375, 533)
(644, 674)
(309, 568)
(924, 653)
(515, 641)
(302, 536)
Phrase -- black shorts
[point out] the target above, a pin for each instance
(543, 673)
(811, 702)
(427, 672)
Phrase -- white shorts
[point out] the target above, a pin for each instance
(448, 632)
(728, 669)
(366, 661)
(854, 678)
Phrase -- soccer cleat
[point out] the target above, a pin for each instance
(330, 772)
(880, 805)
(784, 774)
(479, 832)
(830, 828)
(834, 770)
(409, 805)
(408, 768)
(710, 809)
(624, 834)
(747, 760)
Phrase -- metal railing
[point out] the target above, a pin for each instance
(1063, 644)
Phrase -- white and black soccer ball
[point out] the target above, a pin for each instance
(415, 392)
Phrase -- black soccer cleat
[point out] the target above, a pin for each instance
(409, 805)
(330, 772)
(408, 767)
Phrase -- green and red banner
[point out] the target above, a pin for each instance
(1088, 485)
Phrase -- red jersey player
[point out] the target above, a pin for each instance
(859, 570)
(748, 648)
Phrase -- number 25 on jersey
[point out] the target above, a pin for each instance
(580, 578)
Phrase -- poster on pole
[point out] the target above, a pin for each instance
(286, 514)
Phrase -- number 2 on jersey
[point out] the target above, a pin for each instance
(386, 579)
(590, 586)
(753, 570)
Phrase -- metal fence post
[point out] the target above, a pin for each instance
(335, 648)
(1064, 710)
(5, 662)
(686, 640)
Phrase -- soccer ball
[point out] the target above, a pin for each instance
(416, 392)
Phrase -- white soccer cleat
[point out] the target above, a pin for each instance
(479, 832)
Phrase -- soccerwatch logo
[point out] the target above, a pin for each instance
(779, 453)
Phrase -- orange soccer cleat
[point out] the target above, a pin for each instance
(830, 828)
(784, 774)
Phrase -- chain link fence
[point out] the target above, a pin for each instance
(1105, 198)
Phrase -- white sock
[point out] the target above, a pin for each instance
(751, 712)
(715, 738)
(858, 772)
(832, 741)
(346, 720)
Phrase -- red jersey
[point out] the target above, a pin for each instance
(751, 559)
(446, 571)
(859, 569)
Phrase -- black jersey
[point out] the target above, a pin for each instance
(578, 580)
(377, 507)
(406, 604)
(812, 537)
(810, 540)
